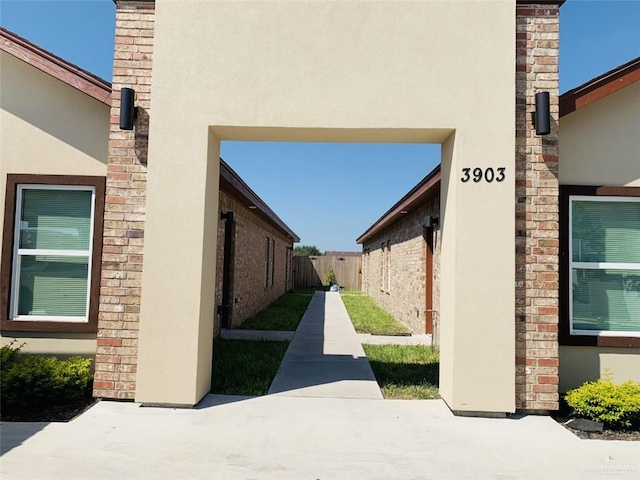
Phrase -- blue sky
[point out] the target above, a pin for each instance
(328, 193)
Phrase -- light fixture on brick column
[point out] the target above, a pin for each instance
(542, 115)
(128, 112)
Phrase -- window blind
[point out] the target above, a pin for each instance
(55, 219)
(605, 270)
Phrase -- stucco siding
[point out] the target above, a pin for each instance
(587, 364)
(48, 128)
(600, 146)
(599, 143)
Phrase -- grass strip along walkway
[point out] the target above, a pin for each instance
(367, 317)
(245, 367)
(402, 371)
(283, 315)
(405, 371)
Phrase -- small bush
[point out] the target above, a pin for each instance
(616, 406)
(330, 277)
(29, 382)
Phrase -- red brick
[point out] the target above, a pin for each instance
(548, 362)
(109, 342)
(544, 379)
(103, 385)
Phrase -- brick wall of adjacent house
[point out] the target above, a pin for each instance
(117, 349)
(249, 293)
(537, 36)
(405, 296)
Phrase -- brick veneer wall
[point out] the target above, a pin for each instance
(406, 299)
(117, 350)
(249, 294)
(537, 281)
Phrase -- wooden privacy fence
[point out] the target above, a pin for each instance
(311, 272)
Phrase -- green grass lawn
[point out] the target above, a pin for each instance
(245, 367)
(367, 317)
(284, 314)
(405, 371)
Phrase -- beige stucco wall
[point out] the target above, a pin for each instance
(346, 71)
(587, 364)
(599, 143)
(48, 127)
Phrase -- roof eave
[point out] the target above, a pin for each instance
(231, 182)
(600, 87)
(425, 189)
(55, 66)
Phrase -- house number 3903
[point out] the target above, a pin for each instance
(488, 174)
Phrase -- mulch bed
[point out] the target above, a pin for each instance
(633, 436)
(563, 415)
(58, 413)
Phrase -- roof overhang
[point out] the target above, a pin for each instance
(231, 183)
(428, 187)
(600, 87)
(55, 66)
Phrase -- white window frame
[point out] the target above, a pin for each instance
(595, 265)
(18, 253)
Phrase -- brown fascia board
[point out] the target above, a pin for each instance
(55, 66)
(427, 187)
(600, 87)
(231, 183)
(540, 2)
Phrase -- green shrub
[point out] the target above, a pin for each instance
(616, 406)
(330, 277)
(30, 382)
(9, 354)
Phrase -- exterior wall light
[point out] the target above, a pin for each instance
(431, 221)
(542, 115)
(128, 112)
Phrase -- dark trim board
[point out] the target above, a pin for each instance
(600, 87)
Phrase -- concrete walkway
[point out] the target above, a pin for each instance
(281, 438)
(325, 357)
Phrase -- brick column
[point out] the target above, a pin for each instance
(537, 34)
(116, 354)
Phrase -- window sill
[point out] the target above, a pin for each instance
(44, 326)
(599, 341)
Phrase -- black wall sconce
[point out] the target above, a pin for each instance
(128, 112)
(431, 221)
(542, 115)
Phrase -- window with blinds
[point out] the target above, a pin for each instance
(604, 265)
(52, 253)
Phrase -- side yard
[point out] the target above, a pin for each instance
(247, 367)
(283, 315)
(402, 371)
(368, 317)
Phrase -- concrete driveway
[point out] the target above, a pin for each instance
(283, 437)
